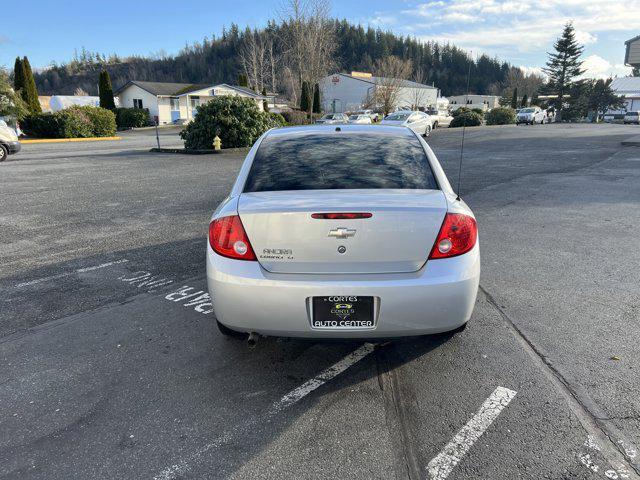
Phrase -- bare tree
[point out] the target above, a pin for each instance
(309, 40)
(79, 92)
(391, 73)
(418, 95)
(273, 62)
(254, 59)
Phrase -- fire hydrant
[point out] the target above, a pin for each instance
(217, 143)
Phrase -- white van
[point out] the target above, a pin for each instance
(8, 141)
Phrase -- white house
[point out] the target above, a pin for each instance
(176, 102)
(484, 102)
(629, 87)
(343, 92)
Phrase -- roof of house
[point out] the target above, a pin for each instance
(632, 40)
(383, 80)
(245, 90)
(169, 89)
(163, 88)
(626, 85)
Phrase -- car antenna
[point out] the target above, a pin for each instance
(464, 127)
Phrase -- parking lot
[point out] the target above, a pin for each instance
(111, 365)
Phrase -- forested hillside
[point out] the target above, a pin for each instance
(219, 60)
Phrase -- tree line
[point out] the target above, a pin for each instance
(284, 54)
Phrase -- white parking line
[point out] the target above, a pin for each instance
(619, 473)
(320, 379)
(66, 274)
(441, 466)
(295, 395)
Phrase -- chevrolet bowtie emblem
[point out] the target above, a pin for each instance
(341, 233)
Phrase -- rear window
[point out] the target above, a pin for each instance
(340, 161)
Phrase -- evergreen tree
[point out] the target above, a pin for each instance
(635, 72)
(11, 104)
(29, 92)
(525, 99)
(564, 66)
(243, 81)
(18, 75)
(106, 91)
(602, 98)
(514, 98)
(316, 98)
(265, 103)
(305, 97)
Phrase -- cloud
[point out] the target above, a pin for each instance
(501, 24)
(597, 67)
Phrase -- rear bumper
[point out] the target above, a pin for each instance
(438, 298)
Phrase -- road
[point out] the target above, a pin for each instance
(112, 367)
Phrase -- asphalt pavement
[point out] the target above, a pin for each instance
(111, 365)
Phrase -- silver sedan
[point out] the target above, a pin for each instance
(337, 232)
(419, 122)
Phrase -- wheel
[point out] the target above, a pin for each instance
(3, 153)
(226, 331)
(435, 125)
(427, 131)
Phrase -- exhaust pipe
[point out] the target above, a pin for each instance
(252, 339)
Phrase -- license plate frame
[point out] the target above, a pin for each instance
(343, 312)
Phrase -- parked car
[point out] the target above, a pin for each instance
(9, 143)
(360, 119)
(632, 117)
(363, 237)
(440, 118)
(419, 122)
(333, 118)
(370, 113)
(531, 115)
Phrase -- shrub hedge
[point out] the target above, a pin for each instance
(132, 117)
(72, 122)
(236, 120)
(468, 118)
(296, 117)
(501, 116)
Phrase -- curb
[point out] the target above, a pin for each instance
(64, 140)
(199, 152)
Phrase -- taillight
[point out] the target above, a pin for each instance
(228, 238)
(458, 235)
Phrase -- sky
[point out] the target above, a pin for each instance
(518, 31)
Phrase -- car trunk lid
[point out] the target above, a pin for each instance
(396, 238)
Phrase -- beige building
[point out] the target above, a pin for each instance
(343, 92)
(632, 53)
(484, 102)
(177, 102)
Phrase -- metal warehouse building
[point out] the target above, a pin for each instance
(343, 92)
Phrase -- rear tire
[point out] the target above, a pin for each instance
(4, 153)
(227, 332)
(427, 131)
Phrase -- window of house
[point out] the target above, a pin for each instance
(175, 104)
(195, 102)
(137, 103)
